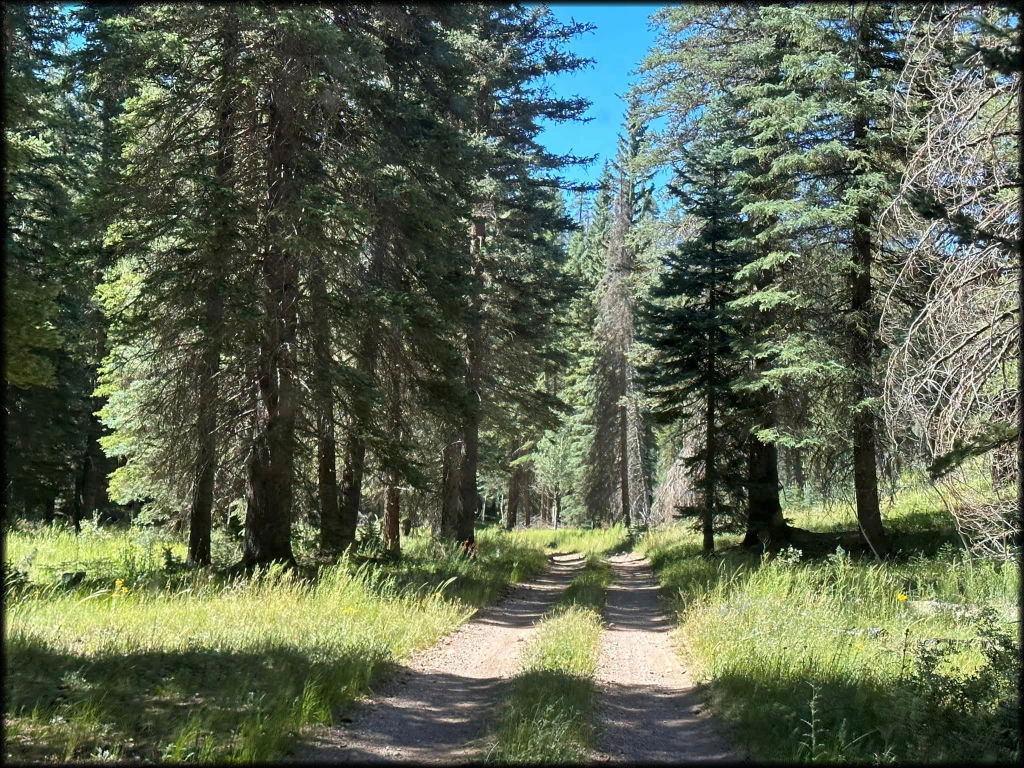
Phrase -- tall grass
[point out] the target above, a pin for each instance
(843, 658)
(145, 661)
(599, 541)
(547, 716)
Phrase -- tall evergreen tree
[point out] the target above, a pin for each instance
(513, 279)
(694, 329)
(619, 450)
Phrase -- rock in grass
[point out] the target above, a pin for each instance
(72, 579)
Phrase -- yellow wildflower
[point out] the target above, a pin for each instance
(901, 597)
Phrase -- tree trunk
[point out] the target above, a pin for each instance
(710, 474)
(512, 503)
(343, 535)
(90, 481)
(351, 491)
(201, 509)
(332, 538)
(451, 490)
(624, 464)
(526, 500)
(765, 524)
(201, 512)
(471, 421)
(392, 544)
(331, 531)
(799, 478)
(366, 364)
(270, 467)
(862, 328)
(558, 510)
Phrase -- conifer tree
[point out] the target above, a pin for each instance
(512, 273)
(693, 329)
(619, 482)
(49, 332)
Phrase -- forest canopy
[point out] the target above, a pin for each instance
(273, 268)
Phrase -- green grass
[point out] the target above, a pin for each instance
(600, 541)
(827, 659)
(547, 716)
(147, 660)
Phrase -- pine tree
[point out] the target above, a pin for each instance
(619, 482)
(50, 358)
(693, 328)
(514, 285)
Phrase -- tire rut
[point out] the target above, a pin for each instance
(648, 710)
(437, 706)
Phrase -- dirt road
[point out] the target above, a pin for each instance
(648, 710)
(437, 707)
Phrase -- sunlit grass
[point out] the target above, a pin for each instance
(585, 541)
(135, 662)
(855, 636)
(547, 718)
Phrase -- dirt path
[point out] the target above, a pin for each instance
(438, 705)
(648, 710)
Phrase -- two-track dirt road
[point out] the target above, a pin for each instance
(436, 709)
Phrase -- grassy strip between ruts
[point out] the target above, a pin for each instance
(133, 664)
(846, 659)
(547, 717)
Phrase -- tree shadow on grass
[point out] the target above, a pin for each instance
(137, 703)
(860, 720)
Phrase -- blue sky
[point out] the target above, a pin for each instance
(617, 45)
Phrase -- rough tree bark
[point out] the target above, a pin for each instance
(710, 475)
(269, 471)
(344, 535)
(862, 327)
(331, 531)
(451, 489)
(201, 508)
(471, 420)
(624, 463)
(766, 526)
(392, 544)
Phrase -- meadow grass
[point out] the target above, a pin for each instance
(601, 541)
(144, 659)
(844, 658)
(547, 716)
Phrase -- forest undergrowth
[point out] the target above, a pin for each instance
(141, 658)
(843, 658)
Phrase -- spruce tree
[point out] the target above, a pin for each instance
(694, 329)
(619, 481)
